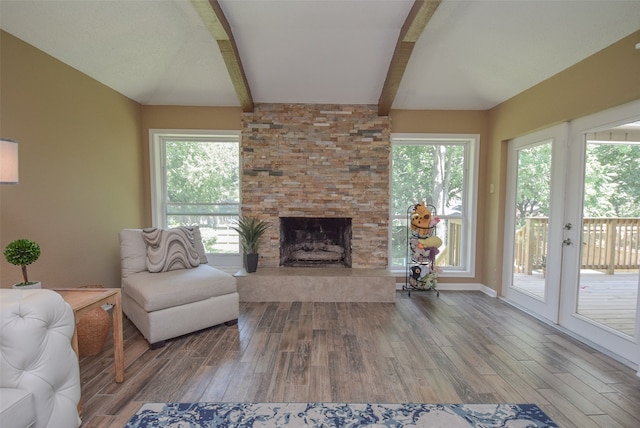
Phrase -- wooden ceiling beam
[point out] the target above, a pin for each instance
(213, 17)
(419, 15)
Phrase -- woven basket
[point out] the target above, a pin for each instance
(92, 329)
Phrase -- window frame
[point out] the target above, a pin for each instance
(471, 143)
(157, 137)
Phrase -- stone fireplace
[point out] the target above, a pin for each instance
(315, 242)
(310, 161)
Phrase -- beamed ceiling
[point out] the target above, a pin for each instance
(398, 54)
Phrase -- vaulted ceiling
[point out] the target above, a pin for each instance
(400, 54)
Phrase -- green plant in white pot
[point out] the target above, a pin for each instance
(23, 252)
(250, 230)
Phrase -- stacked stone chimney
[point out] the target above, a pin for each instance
(303, 160)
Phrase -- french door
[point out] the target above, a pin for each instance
(600, 273)
(533, 221)
(573, 225)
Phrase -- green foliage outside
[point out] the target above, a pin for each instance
(203, 188)
(612, 181)
(202, 172)
(433, 173)
(534, 182)
(430, 172)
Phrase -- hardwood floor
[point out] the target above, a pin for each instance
(462, 347)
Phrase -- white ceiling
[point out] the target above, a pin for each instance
(472, 54)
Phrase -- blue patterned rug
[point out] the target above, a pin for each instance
(253, 415)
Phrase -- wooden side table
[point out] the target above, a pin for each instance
(83, 300)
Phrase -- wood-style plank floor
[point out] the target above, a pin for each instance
(462, 347)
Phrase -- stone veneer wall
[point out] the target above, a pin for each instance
(303, 160)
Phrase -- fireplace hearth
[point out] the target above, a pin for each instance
(315, 242)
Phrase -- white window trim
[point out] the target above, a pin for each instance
(468, 253)
(227, 262)
(156, 162)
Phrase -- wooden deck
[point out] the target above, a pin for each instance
(608, 299)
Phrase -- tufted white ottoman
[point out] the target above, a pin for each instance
(39, 373)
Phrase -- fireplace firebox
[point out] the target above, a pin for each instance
(315, 242)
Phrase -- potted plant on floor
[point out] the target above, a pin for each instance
(250, 230)
(23, 252)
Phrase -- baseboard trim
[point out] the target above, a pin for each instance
(461, 287)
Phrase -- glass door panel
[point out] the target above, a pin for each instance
(531, 234)
(608, 290)
(572, 228)
(533, 221)
(600, 269)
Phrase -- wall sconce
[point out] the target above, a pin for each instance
(8, 161)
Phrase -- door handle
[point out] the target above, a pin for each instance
(568, 226)
(567, 241)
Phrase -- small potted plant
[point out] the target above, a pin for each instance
(23, 252)
(250, 230)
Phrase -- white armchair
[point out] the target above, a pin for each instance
(39, 371)
(182, 294)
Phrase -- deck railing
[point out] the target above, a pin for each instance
(607, 244)
(450, 252)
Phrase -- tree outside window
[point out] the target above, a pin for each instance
(201, 186)
(434, 170)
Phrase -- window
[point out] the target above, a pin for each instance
(195, 180)
(441, 170)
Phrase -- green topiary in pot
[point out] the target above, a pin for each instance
(22, 252)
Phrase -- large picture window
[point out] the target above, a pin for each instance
(440, 170)
(196, 181)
